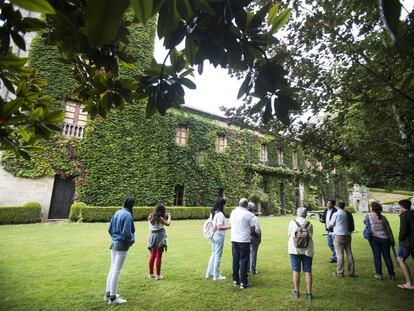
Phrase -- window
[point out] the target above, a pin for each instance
(74, 121)
(294, 159)
(280, 156)
(221, 143)
(179, 195)
(181, 135)
(263, 153)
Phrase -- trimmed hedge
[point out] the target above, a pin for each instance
(84, 213)
(28, 213)
(403, 192)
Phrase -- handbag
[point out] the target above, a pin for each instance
(367, 231)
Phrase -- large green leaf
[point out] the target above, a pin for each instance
(390, 14)
(280, 20)
(12, 60)
(188, 83)
(273, 14)
(245, 87)
(169, 19)
(41, 6)
(143, 9)
(103, 19)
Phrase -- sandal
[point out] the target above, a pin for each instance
(403, 286)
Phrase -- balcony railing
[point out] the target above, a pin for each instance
(72, 130)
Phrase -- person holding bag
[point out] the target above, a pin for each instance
(381, 239)
(217, 240)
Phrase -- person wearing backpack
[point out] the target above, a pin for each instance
(342, 240)
(300, 248)
(218, 221)
(381, 240)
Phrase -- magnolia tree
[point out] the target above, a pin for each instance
(93, 36)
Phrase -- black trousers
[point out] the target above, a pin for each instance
(241, 253)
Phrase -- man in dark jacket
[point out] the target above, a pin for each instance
(406, 242)
(326, 218)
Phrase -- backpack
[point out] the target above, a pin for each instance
(208, 229)
(351, 223)
(302, 236)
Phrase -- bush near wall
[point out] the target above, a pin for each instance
(84, 213)
(28, 213)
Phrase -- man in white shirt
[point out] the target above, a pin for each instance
(241, 221)
(342, 240)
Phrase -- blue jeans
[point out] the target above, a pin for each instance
(217, 243)
(241, 253)
(404, 251)
(330, 241)
(382, 246)
(296, 260)
(254, 247)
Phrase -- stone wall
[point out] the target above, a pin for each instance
(15, 191)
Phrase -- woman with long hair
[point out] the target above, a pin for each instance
(157, 241)
(381, 241)
(122, 229)
(217, 241)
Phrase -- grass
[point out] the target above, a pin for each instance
(64, 266)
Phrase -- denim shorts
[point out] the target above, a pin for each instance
(305, 260)
(404, 251)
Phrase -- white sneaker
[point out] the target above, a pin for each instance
(159, 277)
(106, 298)
(208, 276)
(151, 276)
(117, 301)
(219, 278)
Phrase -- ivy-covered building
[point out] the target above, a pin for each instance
(186, 158)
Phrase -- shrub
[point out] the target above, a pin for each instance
(82, 212)
(28, 213)
(350, 209)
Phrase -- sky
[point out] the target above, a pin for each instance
(215, 88)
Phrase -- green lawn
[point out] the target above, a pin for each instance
(64, 267)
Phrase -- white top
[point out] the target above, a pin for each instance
(157, 226)
(241, 221)
(339, 222)
(291, 233)
(256, 224)
(328, 217)
(219, 220)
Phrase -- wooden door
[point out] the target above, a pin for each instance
(62, 198)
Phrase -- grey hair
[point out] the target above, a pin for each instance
(243, 202)
(251, 206)
(301, 212)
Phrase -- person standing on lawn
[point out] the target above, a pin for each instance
(255, 239)
(342, 240)
(122, 230)
(242, 225)
(406, 242)
(326, 218)
(381, 241)
(301, 256)
(217, 240)
(157, 241)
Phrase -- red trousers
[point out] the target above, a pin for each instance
(156, 256)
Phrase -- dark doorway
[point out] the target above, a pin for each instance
(179, 196)
(62, 198)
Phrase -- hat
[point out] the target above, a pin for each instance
(301, 212)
